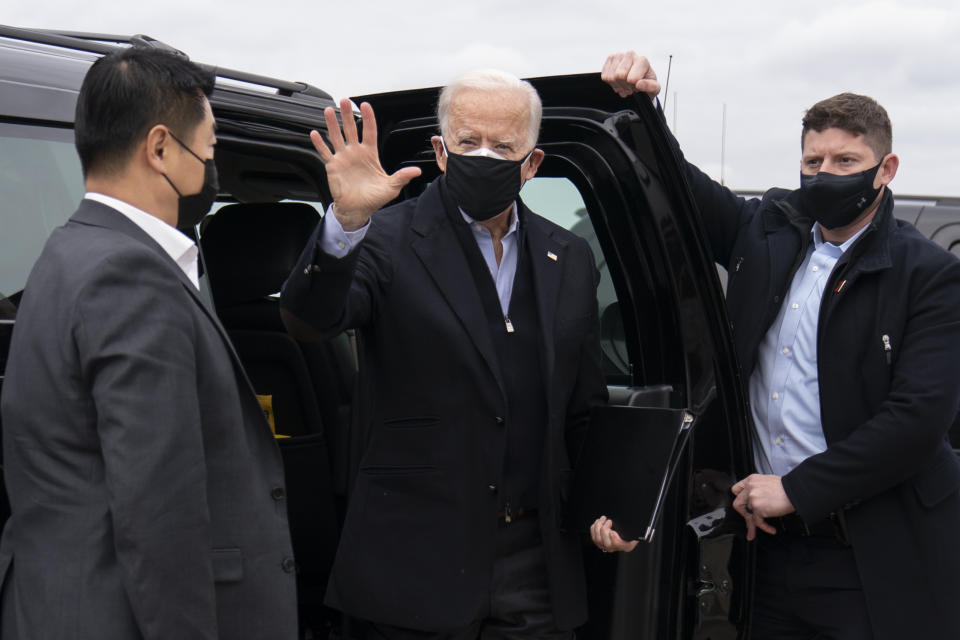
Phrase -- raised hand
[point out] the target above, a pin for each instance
(629, 73)
(357, 181)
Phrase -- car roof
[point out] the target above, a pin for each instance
(41, 72)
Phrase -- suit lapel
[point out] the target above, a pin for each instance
(97, 214)
(788, 234)
(547, 259)
(779, 244)
(439, 250)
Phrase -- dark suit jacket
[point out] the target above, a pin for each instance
(888, 467)
(418, 543)
(140, 468)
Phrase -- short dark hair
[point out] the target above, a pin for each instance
(128, 92)
(855, 114)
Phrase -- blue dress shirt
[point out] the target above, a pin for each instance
(336, 242)
(503, 275)
(784, 386)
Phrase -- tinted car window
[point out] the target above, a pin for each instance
(40, 186)
(558, 200)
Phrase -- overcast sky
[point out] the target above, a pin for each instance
(767, 61)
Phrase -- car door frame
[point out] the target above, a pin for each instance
(618, 154)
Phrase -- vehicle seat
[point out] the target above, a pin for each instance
(248, 251)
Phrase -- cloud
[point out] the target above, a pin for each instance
(767, 61)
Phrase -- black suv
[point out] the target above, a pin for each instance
(609, 175)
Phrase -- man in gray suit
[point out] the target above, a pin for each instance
(146, 487)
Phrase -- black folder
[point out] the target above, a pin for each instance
(625, 467)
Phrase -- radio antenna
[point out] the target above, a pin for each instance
(666, 88)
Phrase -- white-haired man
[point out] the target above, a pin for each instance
(477, 374)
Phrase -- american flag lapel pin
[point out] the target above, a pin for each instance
(552, 255)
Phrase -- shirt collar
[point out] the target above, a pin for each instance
(514, 221)
(178, 246)
(818, 240)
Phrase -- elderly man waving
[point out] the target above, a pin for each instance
(477, 374)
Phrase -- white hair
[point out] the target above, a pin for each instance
(491, 80)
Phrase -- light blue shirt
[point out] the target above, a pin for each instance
(503, 275)
(336, 242)
(784, 386)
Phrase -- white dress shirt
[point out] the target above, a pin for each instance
(178, 246)
(785, 385)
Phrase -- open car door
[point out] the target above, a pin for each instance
(611, 176)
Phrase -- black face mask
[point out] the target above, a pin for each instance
(191, 208)
(483, 187)
(836, 201)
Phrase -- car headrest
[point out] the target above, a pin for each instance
(249, 249)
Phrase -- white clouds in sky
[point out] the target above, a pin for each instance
(767, 61)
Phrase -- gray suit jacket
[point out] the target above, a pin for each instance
(147, 490)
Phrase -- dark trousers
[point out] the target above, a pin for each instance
(518, 604)
(807, 588)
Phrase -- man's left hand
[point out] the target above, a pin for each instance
(760, 497)
(607, 539)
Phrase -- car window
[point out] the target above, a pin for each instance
(558, 200)
(40, 186)
(319, 206)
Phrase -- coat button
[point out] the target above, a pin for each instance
(500, 421)
(492, 488)
(278, 493)
(289, 565)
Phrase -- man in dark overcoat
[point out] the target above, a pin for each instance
(480, 363)
(846, 323)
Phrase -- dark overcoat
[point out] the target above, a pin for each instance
(888, 354)
(417, 547)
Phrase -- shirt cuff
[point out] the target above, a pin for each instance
(336, 242)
